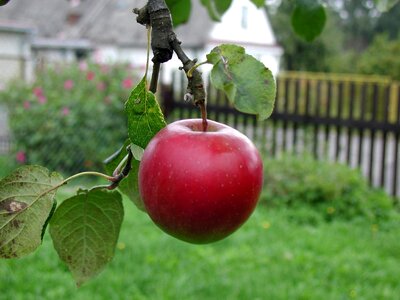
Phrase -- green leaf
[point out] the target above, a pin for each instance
(249, 85)
(85, 230)
(24, 209)
(216, 8)
(46, 223)
(259, 3)
(145, 118)
(308, 19)
(129, 185)
(385, 5)
(180, 10)
(137, 152)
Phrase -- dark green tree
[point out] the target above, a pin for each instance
(389, 23)
(382, 57)
(357, 19)
(298, 53)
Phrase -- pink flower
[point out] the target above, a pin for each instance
(83, 66)
(27, 105)
(42, 99)
(101, 86)
(20, 157)
(65, 111)
(68, 85)
(90, 75)
(127, 83)
(38, 91)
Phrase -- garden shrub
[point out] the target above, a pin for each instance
(71, 117)
(335, 190)
(6, 165)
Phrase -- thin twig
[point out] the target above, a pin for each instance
(125, 171)
(154, 77)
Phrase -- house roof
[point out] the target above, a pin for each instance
(9, 26)
(44, 43)
(100, 21)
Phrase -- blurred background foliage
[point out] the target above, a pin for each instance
(354, 40)
(71, 118)
(331, 190)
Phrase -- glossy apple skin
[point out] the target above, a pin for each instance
(200, 186)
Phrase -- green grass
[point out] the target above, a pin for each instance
(273, 256)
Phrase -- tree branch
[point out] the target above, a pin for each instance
(163, 43)
(118, 175)
(154, 77)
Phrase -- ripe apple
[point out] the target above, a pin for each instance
(200, 186)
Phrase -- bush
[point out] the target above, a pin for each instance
(381, 57)
(334, 190)
(6, 165)
(71, 117)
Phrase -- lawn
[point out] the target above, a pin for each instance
(277, 254)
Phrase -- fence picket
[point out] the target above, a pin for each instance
(339, 116)
(384, 135)
(327, 116)
(285, 112)
(362, 118)
(350, 119)
(373, 133)
(317, 115)
(296, 112)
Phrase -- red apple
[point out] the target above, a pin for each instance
(200, 186)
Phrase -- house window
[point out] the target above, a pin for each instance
(244, 17)
(81, 54)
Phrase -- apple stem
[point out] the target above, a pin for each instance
(203, 110)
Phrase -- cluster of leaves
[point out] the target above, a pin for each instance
(349, 29)
(181, 9)
(52, 121)
(308, 17)
(85, 227)
(330, 189)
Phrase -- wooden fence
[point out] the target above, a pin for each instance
(345, 118)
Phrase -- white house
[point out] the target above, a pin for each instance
(15, 51)
(249, 27)
(106, 31)
(243, 24)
